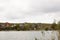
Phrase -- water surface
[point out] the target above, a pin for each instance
(28, 35)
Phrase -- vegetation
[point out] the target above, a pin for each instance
(29, 26)
(53, 26)
(17, 27)
(26, 26)
(58, 25)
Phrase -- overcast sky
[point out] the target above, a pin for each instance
(44, 11)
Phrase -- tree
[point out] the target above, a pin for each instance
(27, 26)
(58, 25)
(8, 28)
(53, 26)
(17, 27)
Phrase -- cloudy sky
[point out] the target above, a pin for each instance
(29, 10)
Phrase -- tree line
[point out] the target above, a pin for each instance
(28, 26)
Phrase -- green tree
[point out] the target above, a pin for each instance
(17, 27)
(54, 25)
(27, 26)
(8, 28)
(58, 25)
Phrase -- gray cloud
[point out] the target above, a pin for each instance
(29, 10)
(45, 5)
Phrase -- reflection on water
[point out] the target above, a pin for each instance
(28, 35)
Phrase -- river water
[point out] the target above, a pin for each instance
(29, 35)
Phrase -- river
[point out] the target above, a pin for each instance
(29, 35)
